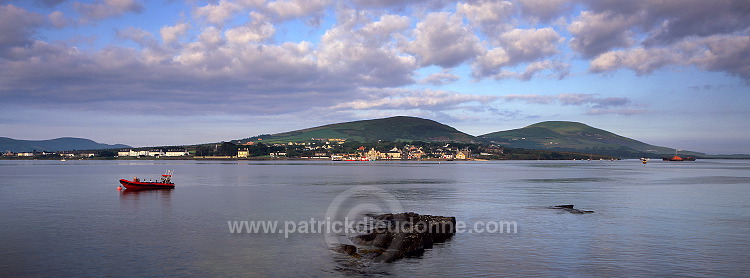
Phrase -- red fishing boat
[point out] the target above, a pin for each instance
(164, 183)
(678, 158)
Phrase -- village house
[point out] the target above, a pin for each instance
(372, 154)
(412, 152)
(177, 152)
(463, 154)
(243, 153)
(66, 154)
(391, 154)
(337, 140)
(278, 154)
(70, 154)
(492, 149)
(439, 153)
(130, 152)
(155, 153)
(123, 153)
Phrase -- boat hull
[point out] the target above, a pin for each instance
(145, 185)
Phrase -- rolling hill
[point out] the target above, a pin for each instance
(576, 137)
(399, 128)
(59, 144)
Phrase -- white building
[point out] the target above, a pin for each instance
(177, 152)
(278, 154)
(154, 153)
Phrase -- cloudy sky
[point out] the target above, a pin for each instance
(668, 72)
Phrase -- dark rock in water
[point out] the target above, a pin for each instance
(569, 208)
(395, 236)
(345, 249)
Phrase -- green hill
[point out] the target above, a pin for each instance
(576, 137)
(400, 128)
(59, 144)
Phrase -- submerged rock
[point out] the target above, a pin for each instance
(345, 249)
(569, 208)
(394, 236)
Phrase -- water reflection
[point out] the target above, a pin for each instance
(135, 193)
(132, 198)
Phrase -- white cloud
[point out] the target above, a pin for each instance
(491, 16)
(382, 31)
(355, 51)
(251, 32)
(725, 53)
(520, 46)
(556, 70)
(722, 53)
(624, 111)
(596, 33)
(423, 100)
(17, 26)
(400, 5)
(170, 34)
(545, 10)
(441, 78)
(443, 40)
(102, 9)
(58, 19)
(218, 13)
(140, 36)
(669, 21)
(640, 60)
(211, 36)
(531, 44)
(571, 99)
(491, 62)
(288, 9)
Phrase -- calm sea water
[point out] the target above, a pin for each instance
(67, 219)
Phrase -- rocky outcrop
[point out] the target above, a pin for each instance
(569, 208)
(394, 236)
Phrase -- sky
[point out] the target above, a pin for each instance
(673, 73)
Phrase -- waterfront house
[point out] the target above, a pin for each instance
(177, 152)
(372, 154)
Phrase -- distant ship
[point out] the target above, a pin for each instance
(678, 158)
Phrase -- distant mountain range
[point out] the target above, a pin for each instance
(552, 135)
(59, 144)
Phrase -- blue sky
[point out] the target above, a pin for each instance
(674, 73)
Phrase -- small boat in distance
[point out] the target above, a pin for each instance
(164, 183)
(644, 160)
(678, 158)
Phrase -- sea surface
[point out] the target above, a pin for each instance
(67, 219)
